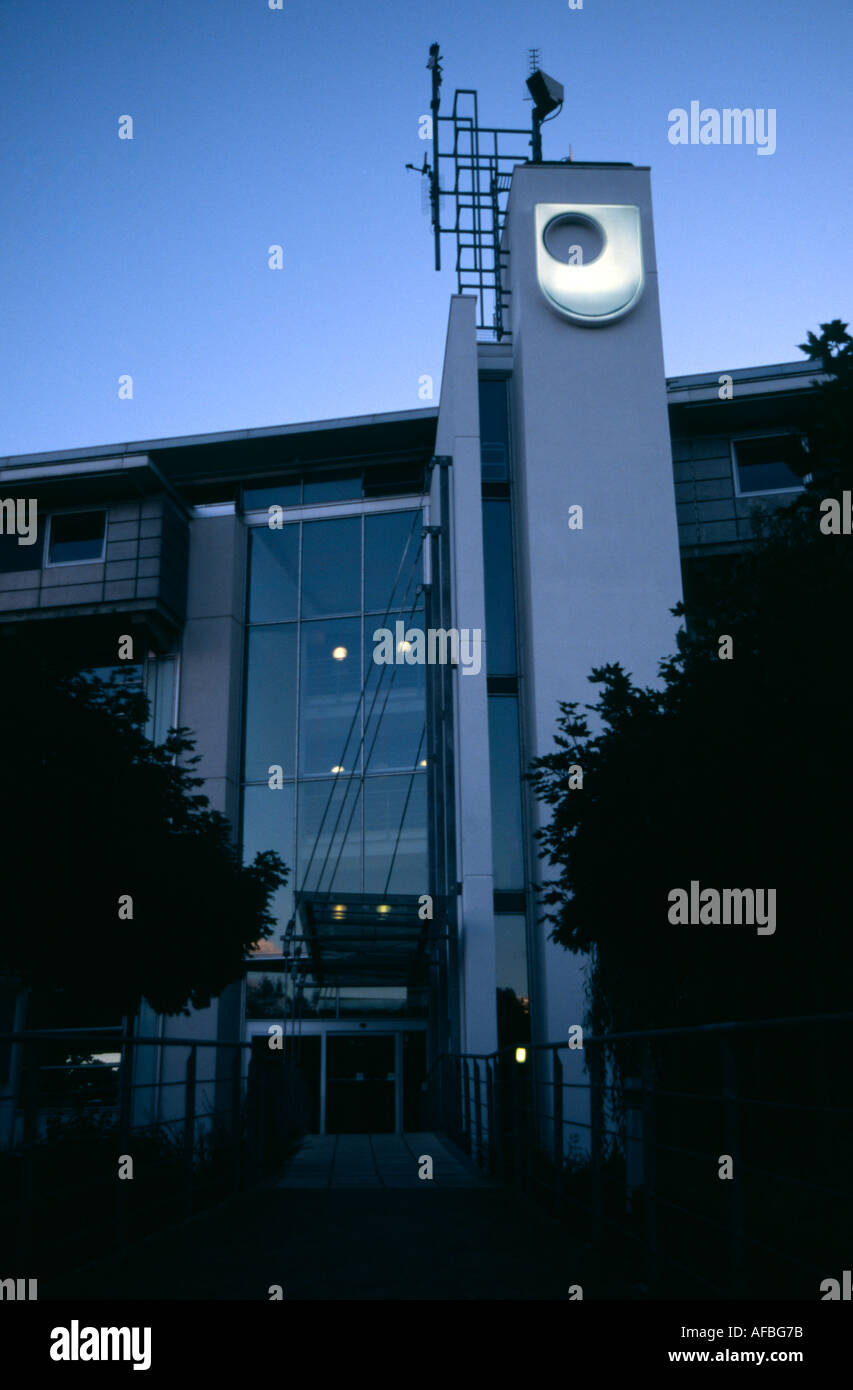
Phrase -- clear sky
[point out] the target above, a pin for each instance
(255, 126)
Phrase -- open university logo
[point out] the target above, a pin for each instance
(606, 288)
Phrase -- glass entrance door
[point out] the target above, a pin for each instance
(360, 1083)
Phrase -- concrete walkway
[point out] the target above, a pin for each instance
(351, 1220)
(377, 1160)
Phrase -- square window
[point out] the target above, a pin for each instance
(76, 537)
(763, 465)
(494, 428)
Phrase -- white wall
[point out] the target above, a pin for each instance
(458, 434)
(590, 427)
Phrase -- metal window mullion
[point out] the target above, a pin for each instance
(297, 723)
(362, 702)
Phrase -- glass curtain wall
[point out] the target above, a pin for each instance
(349, 764)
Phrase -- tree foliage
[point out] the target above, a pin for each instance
(735, 773)
(94, 812)
(830, 456)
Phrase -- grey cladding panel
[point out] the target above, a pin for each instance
(702, 513)
(700, 469)
(705, 490)
(717, 531)
(122, 530)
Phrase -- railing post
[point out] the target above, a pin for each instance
(30, 1079)
(466, 1113)
(504, 1082)
(516, 1114)
(632, 1136)
(477, 1113)
(254, 1119)
(557, 1108)
(595, 1062)
(734, 1193)
(124, 1129)
(189, 1130)
(452, 1098)
(236, 1116)
(490, 1114)
(650, 1166)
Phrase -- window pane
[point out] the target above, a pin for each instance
(161, 676)
(511, 971)
(331, 567)
(273, 494)
(268, 823)
(77, 537)
(331, 489)
(327, 869)
(273, 574)
(386, 535)
(378, 1000)
(505, 766)
(271, 701)
(385, 798)
(511, 953)
(265, 995)
(393, 479)
(500, 599)
(762, 464)
(494, 429)
(330, 686)
(398, 711)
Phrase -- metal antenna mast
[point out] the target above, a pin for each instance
(482, 160)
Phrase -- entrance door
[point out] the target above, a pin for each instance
(360, 1083)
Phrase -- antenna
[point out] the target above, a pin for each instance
(479, 161)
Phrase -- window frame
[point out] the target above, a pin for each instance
(322, 511)
(47, 563)
(752, 437)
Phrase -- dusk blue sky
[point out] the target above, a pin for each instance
(254, 126)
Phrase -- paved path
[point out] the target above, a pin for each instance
(350, 1219)
(377, 1160)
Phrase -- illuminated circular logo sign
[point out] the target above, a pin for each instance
(604, 289)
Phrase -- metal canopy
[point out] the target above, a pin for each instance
(354, 939)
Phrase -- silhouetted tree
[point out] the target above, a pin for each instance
(94, 813)
(829, 460)
(735, 773)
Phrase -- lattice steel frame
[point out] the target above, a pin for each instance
(482, 173)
